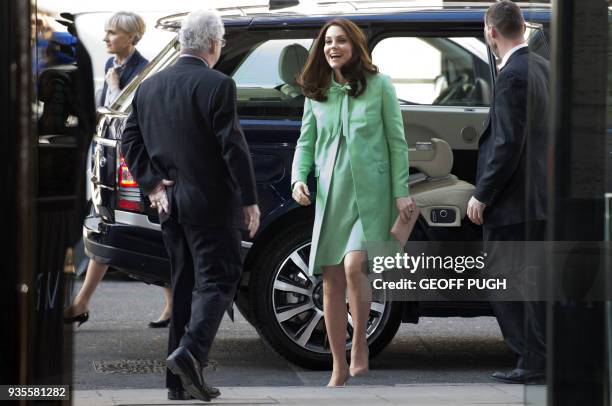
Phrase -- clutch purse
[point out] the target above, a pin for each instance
(401, 231)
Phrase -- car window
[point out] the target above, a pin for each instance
(266, 79)
(536, 40)
(442, 71)
(168, 56)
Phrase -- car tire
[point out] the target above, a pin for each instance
(273, 268)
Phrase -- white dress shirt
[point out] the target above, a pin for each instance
(509, 54)
(112, 93)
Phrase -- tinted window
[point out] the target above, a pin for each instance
(265, 80)
(436, 70)
(537, 42)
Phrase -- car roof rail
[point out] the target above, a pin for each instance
(278, 4)
(173, 21)
(360, 5)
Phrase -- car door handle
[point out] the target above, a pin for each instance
(97, 183)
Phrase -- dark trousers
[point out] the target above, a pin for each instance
(206, 269)
(522, 323)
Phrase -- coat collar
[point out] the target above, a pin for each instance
(135, 59)
(337, 87)
(518, 50)
(188, 59)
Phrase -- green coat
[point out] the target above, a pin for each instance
(377, 148)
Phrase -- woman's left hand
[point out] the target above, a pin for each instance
(405, 206)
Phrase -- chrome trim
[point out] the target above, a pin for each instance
(104, 186)
(141, 220)
(123, 102)
(126, 193)
(534, 26)
(107, 112)
(105, 142)
(173, 22)
(135, 219)
(130, 198)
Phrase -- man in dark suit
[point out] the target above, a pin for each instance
(184, 146)
(510, 196)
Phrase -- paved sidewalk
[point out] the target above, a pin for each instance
(418, 395)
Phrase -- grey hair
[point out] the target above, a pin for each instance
(128, 22)
(199, 29)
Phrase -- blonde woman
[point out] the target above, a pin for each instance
(123, 30)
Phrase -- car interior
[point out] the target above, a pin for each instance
(284, 100)
(291, 62)
(433, 186)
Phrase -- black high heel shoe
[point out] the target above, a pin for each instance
(80, 318)
(159, 323)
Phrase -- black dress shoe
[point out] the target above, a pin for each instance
(81, 318)
(214, 393)
(159, 323)
(519, 376)
(178, 394)
(181, 394)
(182, 363)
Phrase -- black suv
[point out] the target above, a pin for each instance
(443, 73)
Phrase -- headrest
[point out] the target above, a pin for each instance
(291, 61)
(483, 91)
(433, 158)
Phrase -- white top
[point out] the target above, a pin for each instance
(112, 93)
(509, 54)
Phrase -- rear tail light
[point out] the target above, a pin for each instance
(125, 177)
(129, 193)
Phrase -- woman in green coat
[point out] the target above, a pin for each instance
(352, 136)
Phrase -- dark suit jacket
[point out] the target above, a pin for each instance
(512, 157)
(132, 68)
(184, 127)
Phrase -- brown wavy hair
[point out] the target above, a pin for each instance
(316, 76)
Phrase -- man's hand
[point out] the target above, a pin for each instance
(301, 194)
(405, 206)
(112, 79)
(475, 211)
(251, 218)
(159, 198)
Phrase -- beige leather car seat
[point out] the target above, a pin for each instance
(436, 188)
(290, 63)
